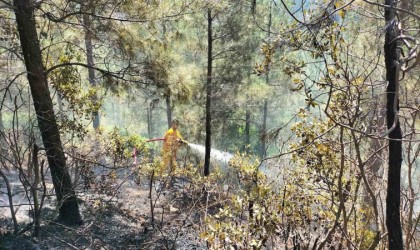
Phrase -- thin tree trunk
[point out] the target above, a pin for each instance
(169, 110)
(150, 126)
(1, 122)
(10, 197)
(247, 130)
(90, 62)
(208, 93)
(265, 109)
(3, 143)
(168, 90)
(150, 122)
(393, 222)
(264, 130)
(66, 197)
(152, 207)
(34, 191)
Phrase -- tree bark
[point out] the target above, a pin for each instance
(393, 222)
(247, 130)
(208, 93)
(34, 191)
(150, 126)
(3, 143)
(66, 197)
(265, 109)
(150, 121)
(169, 109)
(90, 62)
(264, 130)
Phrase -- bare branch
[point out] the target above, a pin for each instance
(395, 8)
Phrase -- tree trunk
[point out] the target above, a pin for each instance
(150, 126)
(10, 199)
(150, 121)
(208, 93)
(169, 110)
(264, 130)
(90, 63)
(34, 191)
(265, 109)
(247, 130)
(3, 143)
(66, 197)
(1, 123)
(393, 222)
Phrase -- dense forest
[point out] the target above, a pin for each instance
(210, 124)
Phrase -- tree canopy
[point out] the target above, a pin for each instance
(298, 124)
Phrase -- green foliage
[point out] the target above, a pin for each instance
(120, 146)
(327, 69)
(314, 150)
(235, 225)
(67, 82)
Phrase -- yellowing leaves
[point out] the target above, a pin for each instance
(342, 13)
(339, 4)
(296, 80)
(358, 81)
(322, 148)
(331, 70)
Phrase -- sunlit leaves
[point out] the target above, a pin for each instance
(342, 13)
(74, 96)
(240, 224)
(120, 146)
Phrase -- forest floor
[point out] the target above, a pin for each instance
(121, 219)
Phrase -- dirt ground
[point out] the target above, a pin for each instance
(117, 220)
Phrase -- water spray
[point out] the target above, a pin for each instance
(217, 157)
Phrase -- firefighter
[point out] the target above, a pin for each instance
(171, 143)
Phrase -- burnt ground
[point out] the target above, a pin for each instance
(120, 219)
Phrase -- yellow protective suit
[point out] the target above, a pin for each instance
(171, 143)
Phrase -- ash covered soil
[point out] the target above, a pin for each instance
(119, 218)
